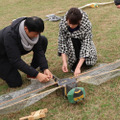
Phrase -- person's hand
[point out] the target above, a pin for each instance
(77, 72)
(48, 73)
(64, 67)
(42, 77)
(118, 6)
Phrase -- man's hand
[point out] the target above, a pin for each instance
(77, 71)
(42, 77)
(64, 67)
(48, 73)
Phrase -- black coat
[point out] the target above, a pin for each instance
(11, 48)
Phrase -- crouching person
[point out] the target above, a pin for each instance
(75, 41)
(20, 38)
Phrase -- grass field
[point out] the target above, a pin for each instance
(101, 102)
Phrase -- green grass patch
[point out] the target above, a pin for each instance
(101, 102)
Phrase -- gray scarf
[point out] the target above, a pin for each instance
(25, 40)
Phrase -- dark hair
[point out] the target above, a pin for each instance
(34, 24)
(74, 16)
(117, 2)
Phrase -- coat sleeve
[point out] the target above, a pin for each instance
(87, 37)
(14, 56)
(61, 40)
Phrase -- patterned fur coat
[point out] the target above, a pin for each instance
(84, 34)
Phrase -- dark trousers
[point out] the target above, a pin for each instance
(11, 74)
(84, 66)
(35, 61)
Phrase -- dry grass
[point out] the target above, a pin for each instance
(102, 102)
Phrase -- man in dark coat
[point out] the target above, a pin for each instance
(117, 3)
(20, 38)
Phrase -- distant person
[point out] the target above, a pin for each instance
(117, 3)
(75, 41)
(20, 38)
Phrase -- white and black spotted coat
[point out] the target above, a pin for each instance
(84, 34)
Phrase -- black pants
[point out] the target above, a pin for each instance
(84, 66)
(35, 61)
(11, 74)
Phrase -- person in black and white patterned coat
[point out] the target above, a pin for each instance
(75, 41)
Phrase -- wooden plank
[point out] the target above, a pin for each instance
(35, 115)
